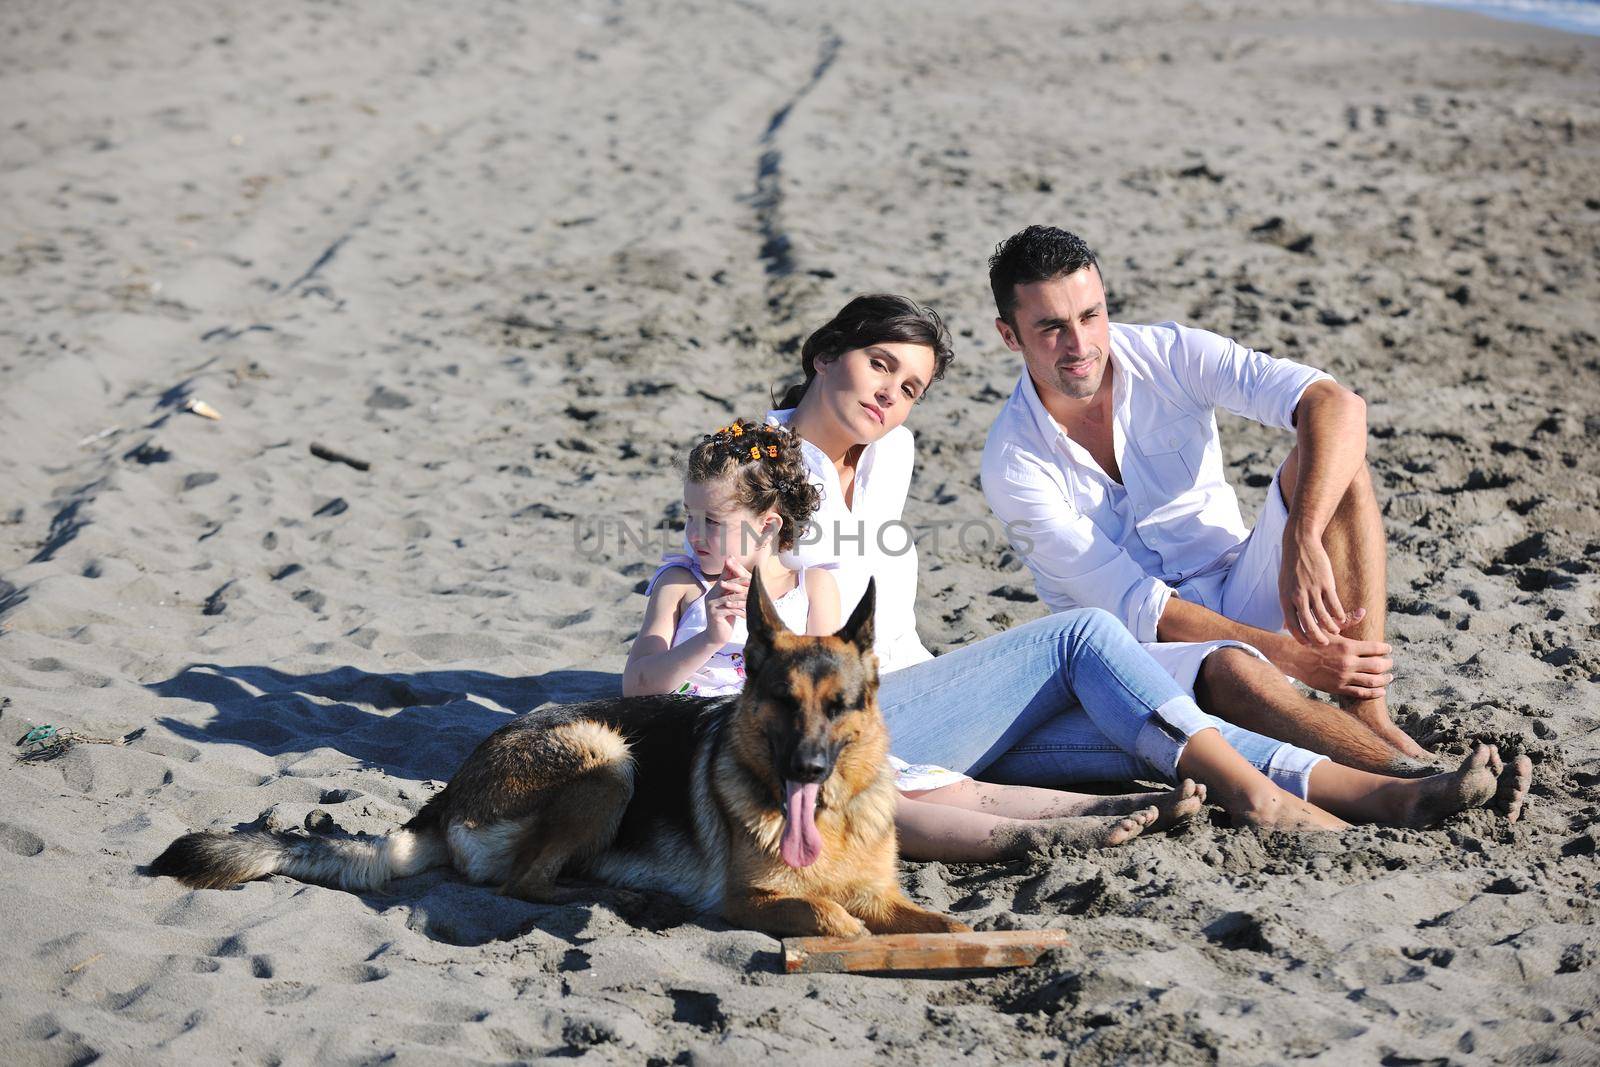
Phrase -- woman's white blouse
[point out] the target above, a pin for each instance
(868, 539)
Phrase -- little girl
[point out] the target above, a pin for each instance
(748, 497)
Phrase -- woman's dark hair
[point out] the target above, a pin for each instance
(874, 319)
(768, 473)
(1036, 254)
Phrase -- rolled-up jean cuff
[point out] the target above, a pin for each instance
(1164, 736)
(1290, 769)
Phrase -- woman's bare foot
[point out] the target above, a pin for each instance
(1021, 838)
(1174, 806)
(1280, 810)
(1483, 776)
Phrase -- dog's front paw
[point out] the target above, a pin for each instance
(931, 922)
(843, 925)
(947, 925)
(910, 919)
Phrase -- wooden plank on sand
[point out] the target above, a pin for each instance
(918, 952)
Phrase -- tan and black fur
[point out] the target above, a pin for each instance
(670, 793)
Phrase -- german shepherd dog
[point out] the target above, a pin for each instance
(773, 808)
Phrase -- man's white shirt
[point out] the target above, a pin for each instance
(1091, 542)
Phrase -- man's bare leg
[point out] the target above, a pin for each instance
(1357, 550)
(1235, 686)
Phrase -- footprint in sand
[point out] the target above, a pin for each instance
(228, 947)
(698, 1009)
(364, 972)
(20, 842)
(278, 994)
(69, 1044)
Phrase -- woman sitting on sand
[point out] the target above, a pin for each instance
(748, 495)
(1068, 698)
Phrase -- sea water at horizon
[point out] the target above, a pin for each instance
(1574, 16)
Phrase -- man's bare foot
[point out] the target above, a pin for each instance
(1279, 810)
(1021, 838)
(1406, 767)
(1375, 716)
(1482, 777)
(1511, 792)
(1177, 805)
(1427, 801)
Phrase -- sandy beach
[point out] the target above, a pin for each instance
(512, 260)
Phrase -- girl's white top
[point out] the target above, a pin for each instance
(723, 673)
(867, 539)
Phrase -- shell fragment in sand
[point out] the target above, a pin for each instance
(201, 408)
(101, 436)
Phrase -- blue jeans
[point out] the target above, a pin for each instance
(1064, 699)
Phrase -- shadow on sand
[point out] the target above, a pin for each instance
(417, 726)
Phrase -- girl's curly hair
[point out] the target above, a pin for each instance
(768, 473)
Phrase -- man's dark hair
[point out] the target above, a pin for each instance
(1037, 254)
(873, 319)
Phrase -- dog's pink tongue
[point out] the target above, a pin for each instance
(801, 844)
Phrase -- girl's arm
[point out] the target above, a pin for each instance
(654, 666)
(822, 595)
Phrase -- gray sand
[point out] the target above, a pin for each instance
(515, 260)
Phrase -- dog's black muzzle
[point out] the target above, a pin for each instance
(808, 761)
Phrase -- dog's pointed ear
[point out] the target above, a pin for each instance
(858, 630)
(762, 622)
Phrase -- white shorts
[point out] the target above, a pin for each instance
(1244, 590)
(1182, 659)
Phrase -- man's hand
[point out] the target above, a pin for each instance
(1356, 669)
(1306, 592)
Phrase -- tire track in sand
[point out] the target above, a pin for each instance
(777, 249)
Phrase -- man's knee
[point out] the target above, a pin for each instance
(1228, 670)
(1360, 490)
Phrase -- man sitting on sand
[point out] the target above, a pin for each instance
(1106, 467)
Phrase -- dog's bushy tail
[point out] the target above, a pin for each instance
(212, 860)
